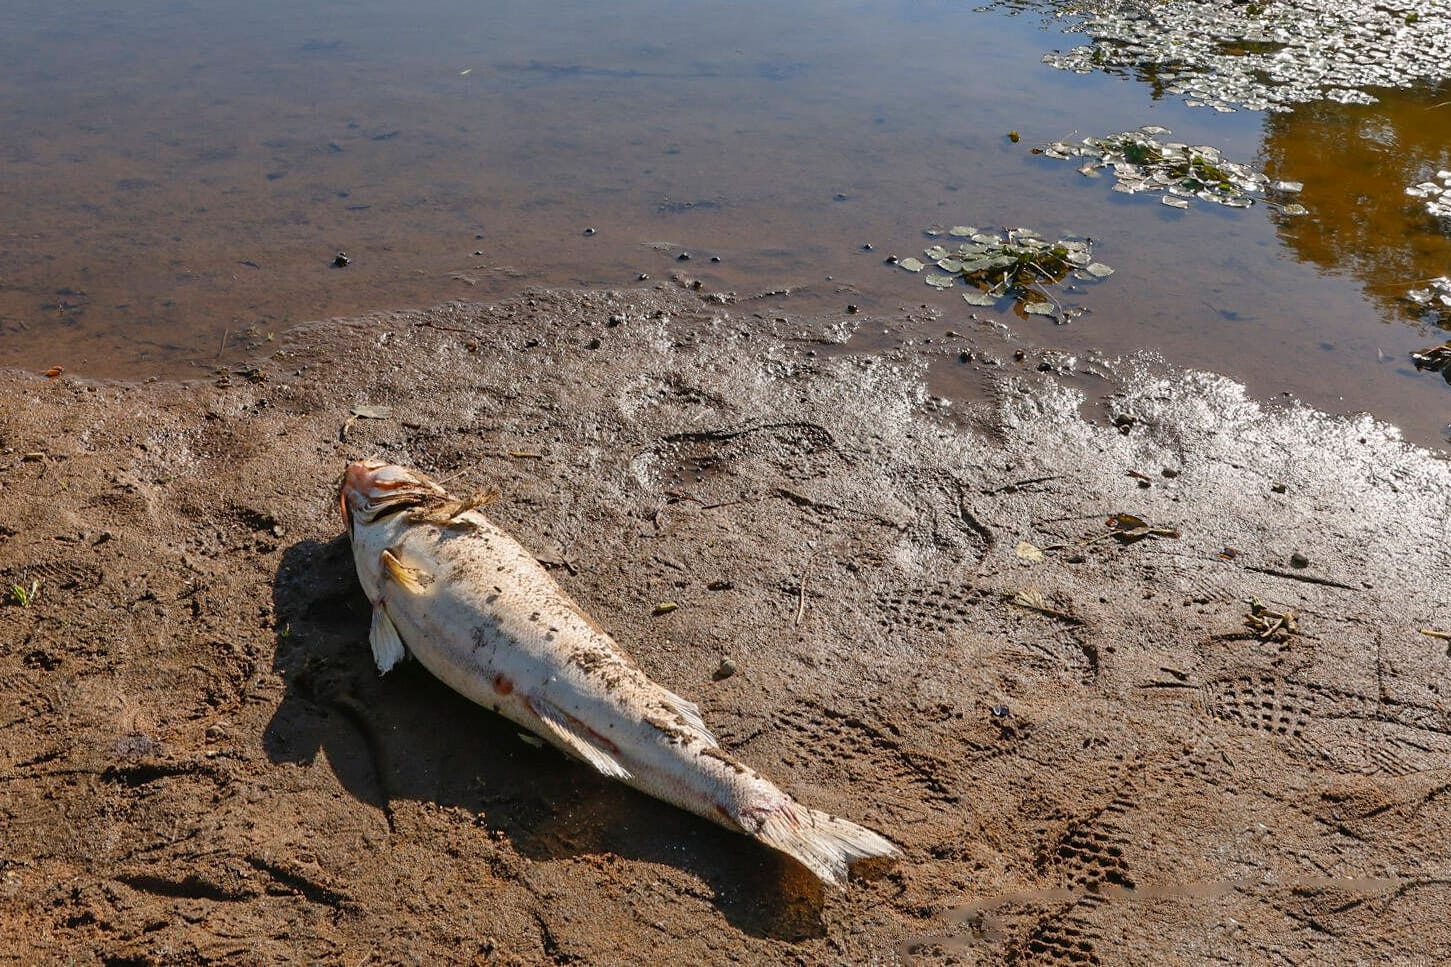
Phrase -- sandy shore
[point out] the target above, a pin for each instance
(1086, 751)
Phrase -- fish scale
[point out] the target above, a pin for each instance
(481, 614)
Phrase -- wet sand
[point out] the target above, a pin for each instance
(1087, 758)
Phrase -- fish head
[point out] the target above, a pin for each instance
(373, 488)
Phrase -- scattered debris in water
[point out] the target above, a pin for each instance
(1438, 196)
(1257, 55)
(1434, 300)
(1437, 359)
(1175, 170)
(1019, 264)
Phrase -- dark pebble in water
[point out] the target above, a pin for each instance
(1299, 560)
(683, 257)
(715, 258)
(866, 246)
(852, 309)
(964, 357)
(840, 196)
(642, 277)
(341, 259)
(890, 260)
(589, 231)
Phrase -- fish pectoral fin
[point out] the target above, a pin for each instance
(690, 713)
(388, 647)
(410, 579)
(576, 736)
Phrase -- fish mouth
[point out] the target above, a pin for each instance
(373, 488)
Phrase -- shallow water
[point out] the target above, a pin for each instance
(177, 178)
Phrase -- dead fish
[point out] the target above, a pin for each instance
(480, 613)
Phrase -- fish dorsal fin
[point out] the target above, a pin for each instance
(410, 579)
(690, 712)
(575, 736)
(388, 647)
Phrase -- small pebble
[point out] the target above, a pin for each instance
(852, 309)
(341, 259)
(683, 257)
(1279, 488)
(866, 246)
(615, 320)
(1299, 560)
(642, 277)
(726, 669)
(715, 258)
(589, 231)
(1001, 711)
(592, 344)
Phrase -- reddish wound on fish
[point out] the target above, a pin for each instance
(502, 685)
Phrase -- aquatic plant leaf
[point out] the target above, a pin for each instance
(962, 231)
(976, 298)
(939, 281)
(1174, 202)
(1098, 270)
(1039, 308)
(911, 264)
(949, 265)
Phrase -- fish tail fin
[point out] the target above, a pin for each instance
(825, 844)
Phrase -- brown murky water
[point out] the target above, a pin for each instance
(177, 178)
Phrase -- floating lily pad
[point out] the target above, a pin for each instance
(1019, 264)
(1140, 162)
